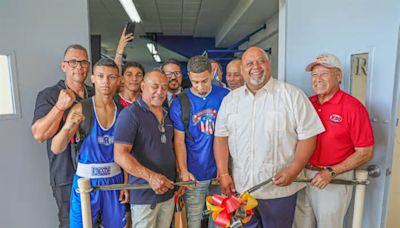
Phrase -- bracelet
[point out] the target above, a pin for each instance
(58, 108)
(119, 53)
(225, 174)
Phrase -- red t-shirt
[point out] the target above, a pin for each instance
(123, 101)
(347, 126)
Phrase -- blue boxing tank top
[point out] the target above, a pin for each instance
(98, 146)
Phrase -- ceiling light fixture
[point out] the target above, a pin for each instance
(152, 48)
(130, 9)
(157, 58)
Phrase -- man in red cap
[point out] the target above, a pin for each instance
(346, 144)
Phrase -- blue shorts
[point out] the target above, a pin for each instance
(103, 203)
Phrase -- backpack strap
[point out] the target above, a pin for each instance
(86, 126)
(84, 129)
(118, 105)
(185, 110)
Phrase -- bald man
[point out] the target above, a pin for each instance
(269, 129)
(234, 77)
(143, 148)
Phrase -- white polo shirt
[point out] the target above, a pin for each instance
(263, 131)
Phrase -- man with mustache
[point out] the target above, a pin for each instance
(194, 140)
(96, 157)
(144, 149)
(234, 77)
(52, 106)
(269, 129)
(346, 144)
(172, 68)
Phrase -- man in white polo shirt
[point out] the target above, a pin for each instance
(269, 128)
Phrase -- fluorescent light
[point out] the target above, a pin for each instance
(157, 58)
(152, 48)
(131, 10)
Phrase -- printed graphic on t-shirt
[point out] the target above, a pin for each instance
(205, 119)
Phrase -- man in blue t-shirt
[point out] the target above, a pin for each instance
(194, 152)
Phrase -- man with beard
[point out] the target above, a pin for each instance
(143, 148)
(172, 68)
(193, 140)
(132, 77)
(51, 109)
(269, 128)
(234, 77)
(96, 157)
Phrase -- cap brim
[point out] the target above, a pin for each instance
(311, 65)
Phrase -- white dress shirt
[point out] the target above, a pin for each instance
(263, 130)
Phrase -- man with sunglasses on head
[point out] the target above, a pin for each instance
(144, 149)
(172, 69)
(51, 109)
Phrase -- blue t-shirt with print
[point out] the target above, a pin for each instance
(203, 115)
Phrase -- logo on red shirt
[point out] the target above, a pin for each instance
(336, 118)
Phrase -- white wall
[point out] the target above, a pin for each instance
(342, 27)
(38, 31)
(267, 38)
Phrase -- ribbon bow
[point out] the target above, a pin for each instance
(228, 210)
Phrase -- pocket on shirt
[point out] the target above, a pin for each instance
(273, 121)
(274, 138)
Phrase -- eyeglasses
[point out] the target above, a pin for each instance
(171, 73)
(74, 63)
(161, 128)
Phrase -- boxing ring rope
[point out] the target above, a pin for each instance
(85, 189)
(360, 182)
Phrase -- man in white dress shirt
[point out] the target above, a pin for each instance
(269, 128)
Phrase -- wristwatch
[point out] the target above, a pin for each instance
(331, 171)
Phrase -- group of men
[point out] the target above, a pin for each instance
(152, 131)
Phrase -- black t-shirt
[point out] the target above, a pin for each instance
(61, 169)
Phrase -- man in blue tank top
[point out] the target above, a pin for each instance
(96, 158)
(194, 154)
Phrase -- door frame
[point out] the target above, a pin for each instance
(282, 12)
(392, 133)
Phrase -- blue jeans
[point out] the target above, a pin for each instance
(195, 200)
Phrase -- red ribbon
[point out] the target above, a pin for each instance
(227, 205)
